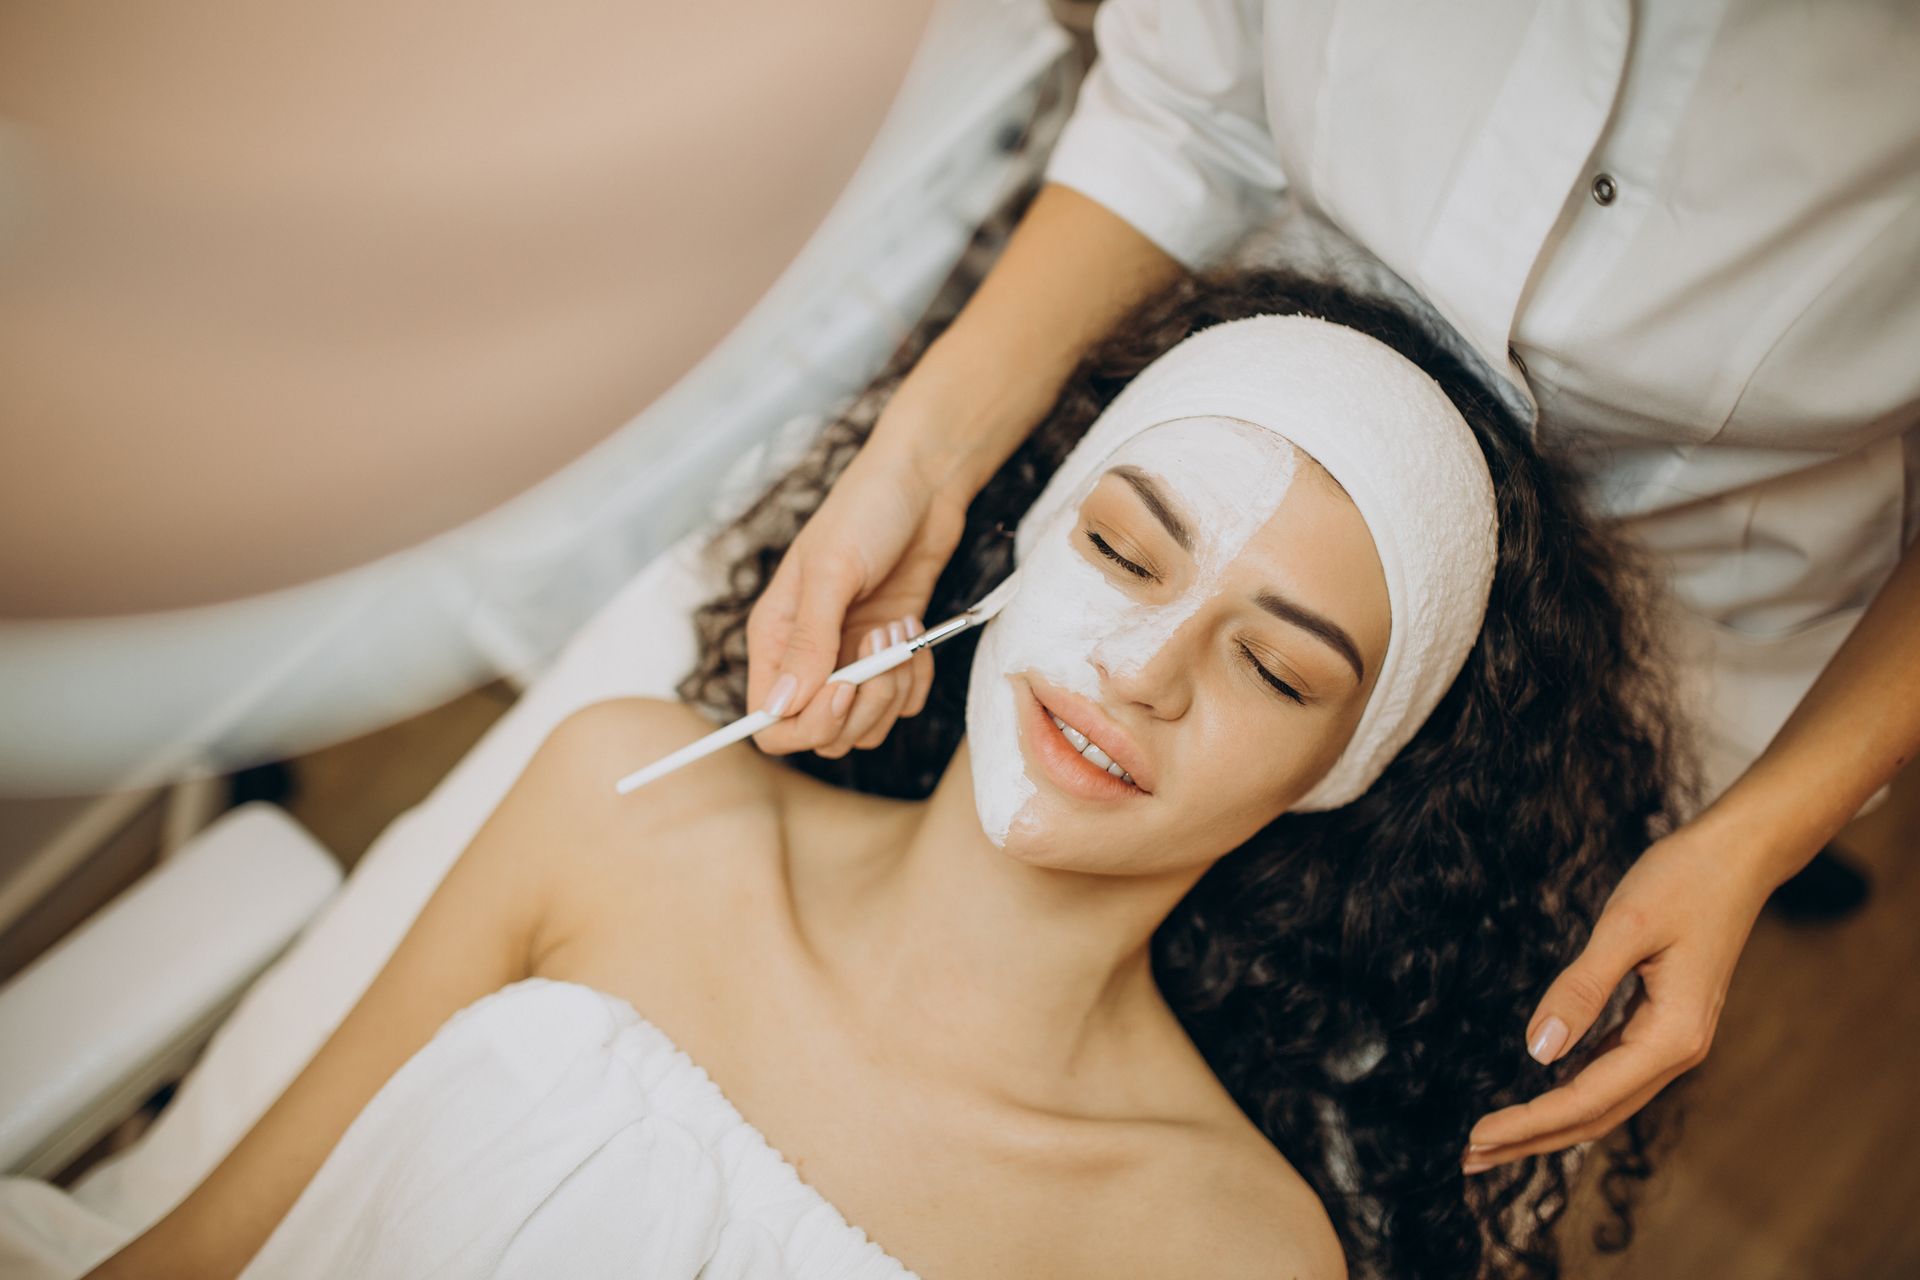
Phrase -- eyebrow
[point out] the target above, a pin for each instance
(1158, 503)
(1307, 620)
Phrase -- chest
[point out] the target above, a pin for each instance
(945, 1181)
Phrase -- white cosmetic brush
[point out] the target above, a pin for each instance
(853, 673)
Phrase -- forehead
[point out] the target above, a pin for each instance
(1212, 460)
(1228, 475)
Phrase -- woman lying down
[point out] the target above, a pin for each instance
(1237, 852)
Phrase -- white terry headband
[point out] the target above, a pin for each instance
(1397, 445)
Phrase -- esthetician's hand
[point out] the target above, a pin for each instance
(1682, 914)
(1680, 918)
(867, 559)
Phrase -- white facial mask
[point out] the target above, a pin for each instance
(1227, 477)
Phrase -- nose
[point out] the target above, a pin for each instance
(1161, 681)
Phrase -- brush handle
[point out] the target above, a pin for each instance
(745, 727)
(853, 673)
(874, 664)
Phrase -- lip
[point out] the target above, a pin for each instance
(1065, 764)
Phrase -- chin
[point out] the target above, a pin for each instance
(1045, 838)
(1047, 851)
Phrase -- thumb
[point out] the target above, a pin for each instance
(1580, 994)
(827, 587)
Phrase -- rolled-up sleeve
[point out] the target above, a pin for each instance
(1170, 131)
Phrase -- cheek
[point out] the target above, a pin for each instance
(1064, 613)
(1254, 761)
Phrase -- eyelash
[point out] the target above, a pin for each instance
(1285, 689)
(1100, 545)
(1281, 686)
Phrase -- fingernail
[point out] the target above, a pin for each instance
(914, 628)
(842, 699)
(781, 694)
(1475, 1166)
(1548, 1041)
(896, 634)
(876, 640)
(1478, 1146)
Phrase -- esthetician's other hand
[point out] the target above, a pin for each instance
(867, 559)
(1682, 914)
(1679, 917)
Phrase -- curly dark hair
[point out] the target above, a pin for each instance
(1359, 979)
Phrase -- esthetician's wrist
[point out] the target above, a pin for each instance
(920, 457)
(950, 434)
(1768, 833)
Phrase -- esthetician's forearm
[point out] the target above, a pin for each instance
(1070, 269)
(1856, 727)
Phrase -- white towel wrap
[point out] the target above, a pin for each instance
(1394, 441)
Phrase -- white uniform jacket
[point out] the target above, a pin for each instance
(1687, 230)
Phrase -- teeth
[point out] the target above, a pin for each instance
(1088, 751)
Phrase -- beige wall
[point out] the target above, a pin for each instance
(286, 286)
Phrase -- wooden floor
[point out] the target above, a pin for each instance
(1799, 1158)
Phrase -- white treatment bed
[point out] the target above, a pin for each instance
(79, 1020)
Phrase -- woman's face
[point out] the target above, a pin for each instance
(1209, 618)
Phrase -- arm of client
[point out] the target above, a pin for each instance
(1682, 915)
(477, 934)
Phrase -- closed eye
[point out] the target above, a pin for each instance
(1100, 545)
(1285, 689)
(1280, 686)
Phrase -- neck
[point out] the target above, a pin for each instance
(1018, 975)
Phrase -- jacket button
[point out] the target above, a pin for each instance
(1605, 189)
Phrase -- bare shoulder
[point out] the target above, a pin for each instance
(1237, 1203)
(653, 723)
(602, 742)
(1281, 1222)
(655, 847)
